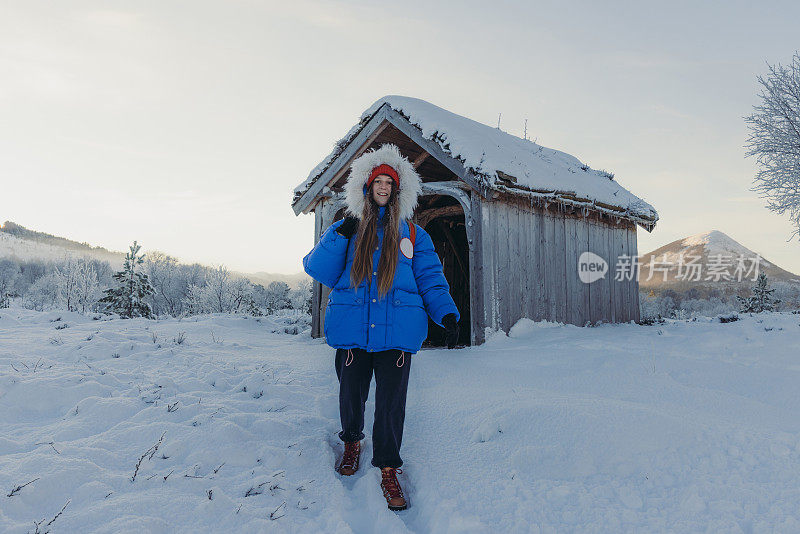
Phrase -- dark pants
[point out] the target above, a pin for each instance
(391, 383)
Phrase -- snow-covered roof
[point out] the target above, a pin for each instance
(503, 161)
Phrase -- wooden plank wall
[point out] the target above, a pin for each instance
(488, 258)
(538, 270)
(598, 302)
(584, 290)
(634, 283)
(559, 268)
(576, 236)
(529, 259)
(572, 250)
(477, 277)
(610, 299)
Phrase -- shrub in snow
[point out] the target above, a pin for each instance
(683, 305)
(711, 307)
(128, 298)
(761, 299)
(293, 321)
(728, 318)
(653, 307)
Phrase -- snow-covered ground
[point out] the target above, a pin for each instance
(685, 426)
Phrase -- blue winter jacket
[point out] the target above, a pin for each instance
(356, 317)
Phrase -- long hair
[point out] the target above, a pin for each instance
(367, 241)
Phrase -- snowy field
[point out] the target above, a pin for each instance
(685, 426)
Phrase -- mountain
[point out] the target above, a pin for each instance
(716, 254)
(265, 278)
(22, 244)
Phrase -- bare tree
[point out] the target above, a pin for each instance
(78, 283)
(218, 288)
(775, 140)
(164, 273)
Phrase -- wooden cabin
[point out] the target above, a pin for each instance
(522, 230)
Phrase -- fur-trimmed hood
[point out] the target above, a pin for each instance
(360, 169)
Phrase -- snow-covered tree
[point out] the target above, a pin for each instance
(187, 290)
(9, 276)
(195, 301)
(276, 297)
(168, 281)
(69, 284)
(761, 299)
(86, 288)
(30, 271)
(301, 296)
(210, 292)
(775, 140)
(44, 293)
(128, 299)
(654, 306)
(218, 290)
(77, 284)
(243, 297)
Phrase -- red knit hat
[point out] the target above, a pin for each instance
(383, 169)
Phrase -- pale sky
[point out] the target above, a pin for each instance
(186, 125)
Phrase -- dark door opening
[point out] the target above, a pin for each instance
(443, 218)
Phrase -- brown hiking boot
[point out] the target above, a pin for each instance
(391, 488)
(352, 453)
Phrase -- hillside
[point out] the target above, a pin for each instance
(22, 244)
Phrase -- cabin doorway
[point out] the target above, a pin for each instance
(443, 218)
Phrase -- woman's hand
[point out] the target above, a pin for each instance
(451, 330)
(348, 227)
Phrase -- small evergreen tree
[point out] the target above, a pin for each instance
(128, 298)
(761, 299)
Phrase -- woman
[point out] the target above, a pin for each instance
(386, 278)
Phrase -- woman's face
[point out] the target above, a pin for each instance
(381, 189)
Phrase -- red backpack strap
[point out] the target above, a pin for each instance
(412, 231)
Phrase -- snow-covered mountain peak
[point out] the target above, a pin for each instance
(716, 242)
(712, 249)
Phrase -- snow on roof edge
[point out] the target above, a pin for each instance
(490, 153)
